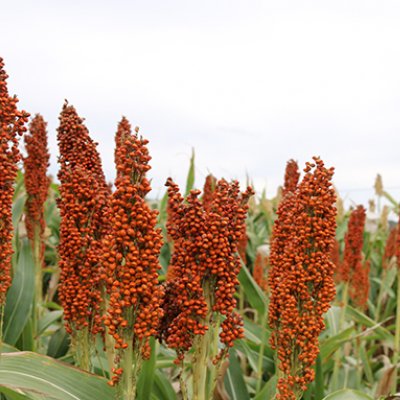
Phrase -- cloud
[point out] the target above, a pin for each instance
(247, 84)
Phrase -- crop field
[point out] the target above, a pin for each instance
(213, 291)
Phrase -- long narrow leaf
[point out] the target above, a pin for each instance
(348, 394)
(361, 318)
(20, 296)
(146, 378)
(269, 390)
(41, 375)
(163, 389)
(234, 382)
(254, 294)
(191, 175)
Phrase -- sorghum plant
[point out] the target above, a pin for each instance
(292, 176)
(199, 302)
(37, 187)
(260, 270)
(336, 259)
(396, 349)
(130, 261)
(12, 123)
(76, 146)
(208, 190)
(83, 203)
(352, 255)
(301, 282)
(354, 272)
(390, 248)
(283, 224)
(36, 180)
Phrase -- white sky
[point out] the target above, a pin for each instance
(248, 84)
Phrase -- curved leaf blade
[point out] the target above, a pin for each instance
(20, 296)
(234, 381)
(44, 376)
(348, 394)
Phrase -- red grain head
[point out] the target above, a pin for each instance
(300, 280)
(36, 180)
(84, 209)
(206, 239)
(12, 125)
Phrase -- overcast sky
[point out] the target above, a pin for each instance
(248, 84)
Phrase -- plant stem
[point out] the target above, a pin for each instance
(380, 297)
(38, 294)
(82, 349)
(396, 348)
(202, 350)
(130, 361)
(359, 375)
(129, 390)
(1, 327)
(214, 368)
(182, 383)
(108, 339)
(261, 352)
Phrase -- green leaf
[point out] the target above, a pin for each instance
(348, 394)
(20, 295)
(366, 361)
(269, 390)
(251, 355)
(319, 379)
(52, 306)
(6, 348)
(18, 209)
(190, 177)
(19, 185)
(146, 377)
(163, 389)
(26, 341)
(234, 381)
(252, 331)
(59, 344)
(11, 395)
(330, 345)
(162, 208)
(254, 294)
(361, 318)
(48, 319)
(36, 374)
(332, 317)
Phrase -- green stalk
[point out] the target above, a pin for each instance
(1, 327)
(182, 383)
(129, 391)
(38, 294)
(396, 348)
(202, 351)
(126, 387)
(130, 362)
(359, 362)
(214, 368)
(261, 352)
(391, 199)
(109, 342)
(109, 347)
(380, 298)
(81, 344)
(338, 354)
